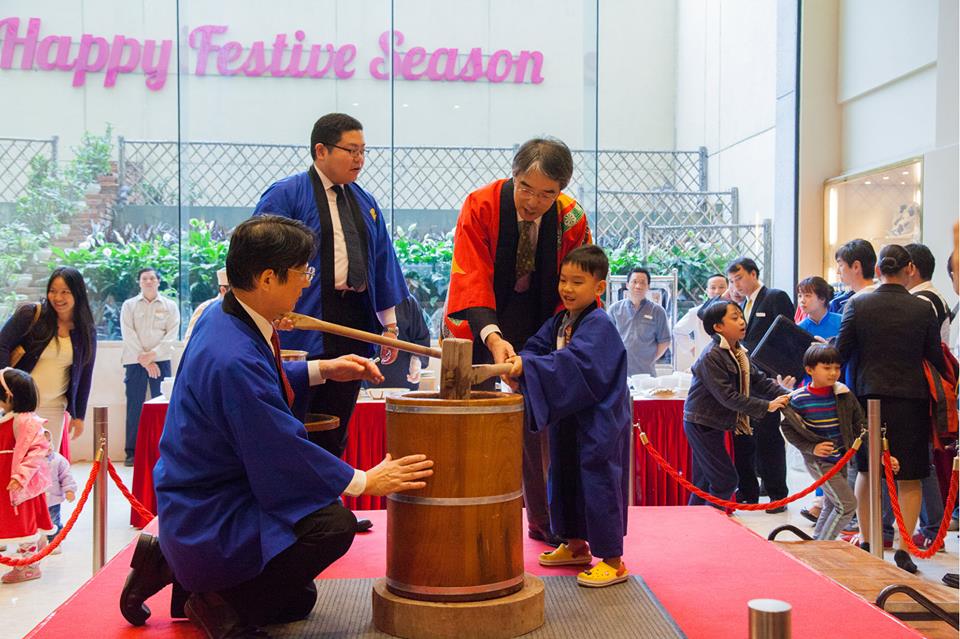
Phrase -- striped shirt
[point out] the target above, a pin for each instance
(818, 409)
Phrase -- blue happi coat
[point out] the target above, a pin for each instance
(579, 394)
(236, 469)
(293, 197)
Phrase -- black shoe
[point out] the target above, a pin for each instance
(903, 561)
(774, 511)
(217, 619)
(150, 573)
(951, 579)
(809, 516)
(546, 537)
(363, 525)
(865, 546)
(178, 599)
(128, 462)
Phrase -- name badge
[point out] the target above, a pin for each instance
(760, 314)
(648, 317)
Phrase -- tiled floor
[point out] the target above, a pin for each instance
(23, 606)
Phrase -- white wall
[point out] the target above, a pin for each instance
(895, 97)
(727, 100)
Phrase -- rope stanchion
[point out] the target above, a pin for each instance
(905, 536)
(134, 502)
(91, 480)
(732, 505)
(49, 548)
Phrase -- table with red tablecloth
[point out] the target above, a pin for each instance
(660, 419)
(365, 448)
(145, 456)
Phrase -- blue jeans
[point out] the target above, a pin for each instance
(136, 380)
(55, 518)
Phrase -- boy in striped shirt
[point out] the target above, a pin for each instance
(822, 420)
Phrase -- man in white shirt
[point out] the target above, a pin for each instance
(689, 333)
(222, 287)
(149, 324)
(920, 272)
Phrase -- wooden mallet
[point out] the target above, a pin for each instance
(457, 372)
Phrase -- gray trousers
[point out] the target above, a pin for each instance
(839, 502)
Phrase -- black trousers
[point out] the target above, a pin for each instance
(764, 454)
(285, 590)
(340, 398)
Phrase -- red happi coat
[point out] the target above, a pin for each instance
(475, 251)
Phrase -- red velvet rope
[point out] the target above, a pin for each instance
(907, 538)
(723, 503)
(91, 480)
(134, 502)
(32, 559)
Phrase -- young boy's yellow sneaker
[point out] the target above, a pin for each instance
(563, 556)
(603, 574)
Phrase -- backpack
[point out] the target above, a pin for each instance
(943, 398)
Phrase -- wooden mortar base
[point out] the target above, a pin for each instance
(501, 618)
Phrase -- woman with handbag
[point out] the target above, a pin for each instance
(56, 342)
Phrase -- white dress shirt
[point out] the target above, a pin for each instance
(340, 259)
(534, 236)
(359, 482)
(148, 326)
(689, 349)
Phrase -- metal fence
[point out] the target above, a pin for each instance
(708, 248)
(424, 178)
(16, 155)
(623, 214)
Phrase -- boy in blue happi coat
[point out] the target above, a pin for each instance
(573, 375)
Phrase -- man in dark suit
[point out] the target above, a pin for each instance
(763, 452)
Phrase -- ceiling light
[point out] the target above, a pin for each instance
(886, 177)
(905, 173)
(868, 182)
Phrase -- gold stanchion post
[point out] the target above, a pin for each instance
(100, 453)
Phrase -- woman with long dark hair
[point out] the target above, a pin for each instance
(59, 344)
(891, 333)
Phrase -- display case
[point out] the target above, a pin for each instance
(882, 206)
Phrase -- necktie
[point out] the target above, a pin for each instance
(525, 255)
(356, 267)
(287, 388)
(747, 307)
(743, 421)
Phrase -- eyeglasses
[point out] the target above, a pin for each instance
(530, 193)
(308, 274)
(358, 152)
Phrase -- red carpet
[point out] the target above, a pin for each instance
(702, 566)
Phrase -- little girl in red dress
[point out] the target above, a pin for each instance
(24, 517)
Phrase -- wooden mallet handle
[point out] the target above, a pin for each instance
(305, 322)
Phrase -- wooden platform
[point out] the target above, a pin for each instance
(867, 575)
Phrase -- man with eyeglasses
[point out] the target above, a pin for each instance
(510, 238)
(358, 280)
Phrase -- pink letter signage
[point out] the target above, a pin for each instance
(216, 55)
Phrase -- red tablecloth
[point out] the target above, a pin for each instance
(145, 458)
(662, 421)
(365, 449)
